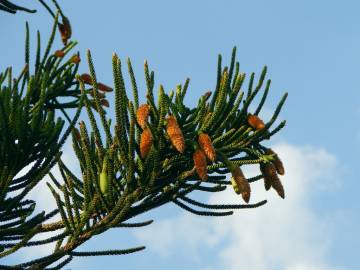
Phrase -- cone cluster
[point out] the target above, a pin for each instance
(206, 151)
(277, 161)
(271, 179)
(86, 79)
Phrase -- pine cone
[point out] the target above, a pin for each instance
(277, 161)
(200, 164)
(103, 87)
(207, 146)
(75, 59)
(59, 54)
(268, 171)
(146, 141)
(175, 134)
(86, 78)
(271, 179)
(142, 115)
(104, 102)
(65, 30)
(277, 185)
(241, 183)
(255, 122)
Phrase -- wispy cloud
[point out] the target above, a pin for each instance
(283, 234)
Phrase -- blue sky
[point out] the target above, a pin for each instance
(312, 51)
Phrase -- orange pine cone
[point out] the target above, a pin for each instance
(146, 141)
(104, 88)
(255, 122)
(86, 78)
(75, 59)
(175, 134)
(142, 115)
(65, 30)
(200, 164)
(59, 53)
(207, 146)
(242, 185)
(277, 161)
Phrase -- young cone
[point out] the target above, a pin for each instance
(277, 161)
(200, 164)
(146, 141)
(255, 122)
(75, 59)
(59, 53)
(104, 180)
(207, 146)
(65, 30)
(175, 134)
(104, 88)
(86, 78)
(142, 115)
(104, 102)
(241, 183)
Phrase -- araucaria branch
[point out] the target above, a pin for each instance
(149, 155)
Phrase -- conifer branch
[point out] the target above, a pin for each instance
(158, 152)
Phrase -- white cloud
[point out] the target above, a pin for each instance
(283, 234)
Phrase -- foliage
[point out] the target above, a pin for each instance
(151, 154)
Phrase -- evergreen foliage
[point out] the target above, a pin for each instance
(150, 155)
